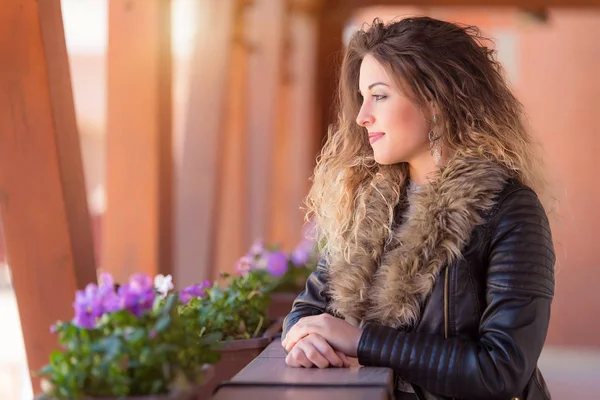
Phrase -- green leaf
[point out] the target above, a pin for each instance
(112, 346)
(56, 357)
(137, 335)
(156, 386)
(162, 323)
(46, 370)
(145, 355)
(165, 348)
(211, 337)
(170, 303)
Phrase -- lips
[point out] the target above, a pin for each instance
(375, 136)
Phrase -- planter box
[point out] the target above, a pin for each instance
(192, 394)
(236, 355)
(281, 304)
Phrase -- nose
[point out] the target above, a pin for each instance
(364, 117)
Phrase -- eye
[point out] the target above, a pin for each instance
(379, 97)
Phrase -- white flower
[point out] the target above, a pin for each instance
(46, 385)
(162, 284)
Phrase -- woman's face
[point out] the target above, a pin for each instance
(398, 130)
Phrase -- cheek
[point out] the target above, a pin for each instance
(412, 119)
(409, 123)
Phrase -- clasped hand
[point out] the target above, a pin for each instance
(321, 341)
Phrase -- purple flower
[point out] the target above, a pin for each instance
(205, 284)
(309, 230)
(94, 301)
(257, 248)
(141, 283)
(301, 255)
(138, 295)
(244, 264)
(277, 264)
(88, 306)
(110, 300)
(189, 292)
(107, 280)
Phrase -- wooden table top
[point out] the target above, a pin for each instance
(268, 377)
(268, 393)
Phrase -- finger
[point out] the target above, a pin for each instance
(292, 360)
(298, 359)
(313, 354)
(292, 334)
(344, 358)
(299, 330)
(297, 333)
(326, 350)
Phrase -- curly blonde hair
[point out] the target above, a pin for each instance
(441, 63)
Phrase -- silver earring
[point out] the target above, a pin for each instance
(435, 148)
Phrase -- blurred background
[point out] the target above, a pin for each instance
(199, 123)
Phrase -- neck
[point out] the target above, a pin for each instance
(422, 171)
(423, 168)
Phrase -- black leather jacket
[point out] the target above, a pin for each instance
(483, 327)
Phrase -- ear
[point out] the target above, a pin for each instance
(431, 112)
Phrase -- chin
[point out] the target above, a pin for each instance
(384, 159)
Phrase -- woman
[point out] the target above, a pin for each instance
(438, 259)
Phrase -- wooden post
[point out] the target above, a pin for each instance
(297, 135)
(232, 220)
(266, 33)
(329, 53)
(137, 226)
(199, 179)
(42, 191)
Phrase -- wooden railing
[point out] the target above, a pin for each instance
(268, 377)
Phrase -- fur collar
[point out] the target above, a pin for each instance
(391, 275)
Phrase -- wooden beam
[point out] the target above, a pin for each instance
(297, 136)
(525, 4)
(277, 201)
(199, 178)
(42, 191)
(266, 33)
(330, 48)
(232, 219)
(137, 226)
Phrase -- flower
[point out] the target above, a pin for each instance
(257, 248)
(107, 280)
(95, 301)
(138, 295)
(141, 283)
(122, 343)
(244, 264)
(205, 284)
(277, 263)
(198, 290)
(110, 300)
(88, 307)
(303, 252)
(163, 284)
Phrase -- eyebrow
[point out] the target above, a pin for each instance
(372, 85)
(377, 83)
